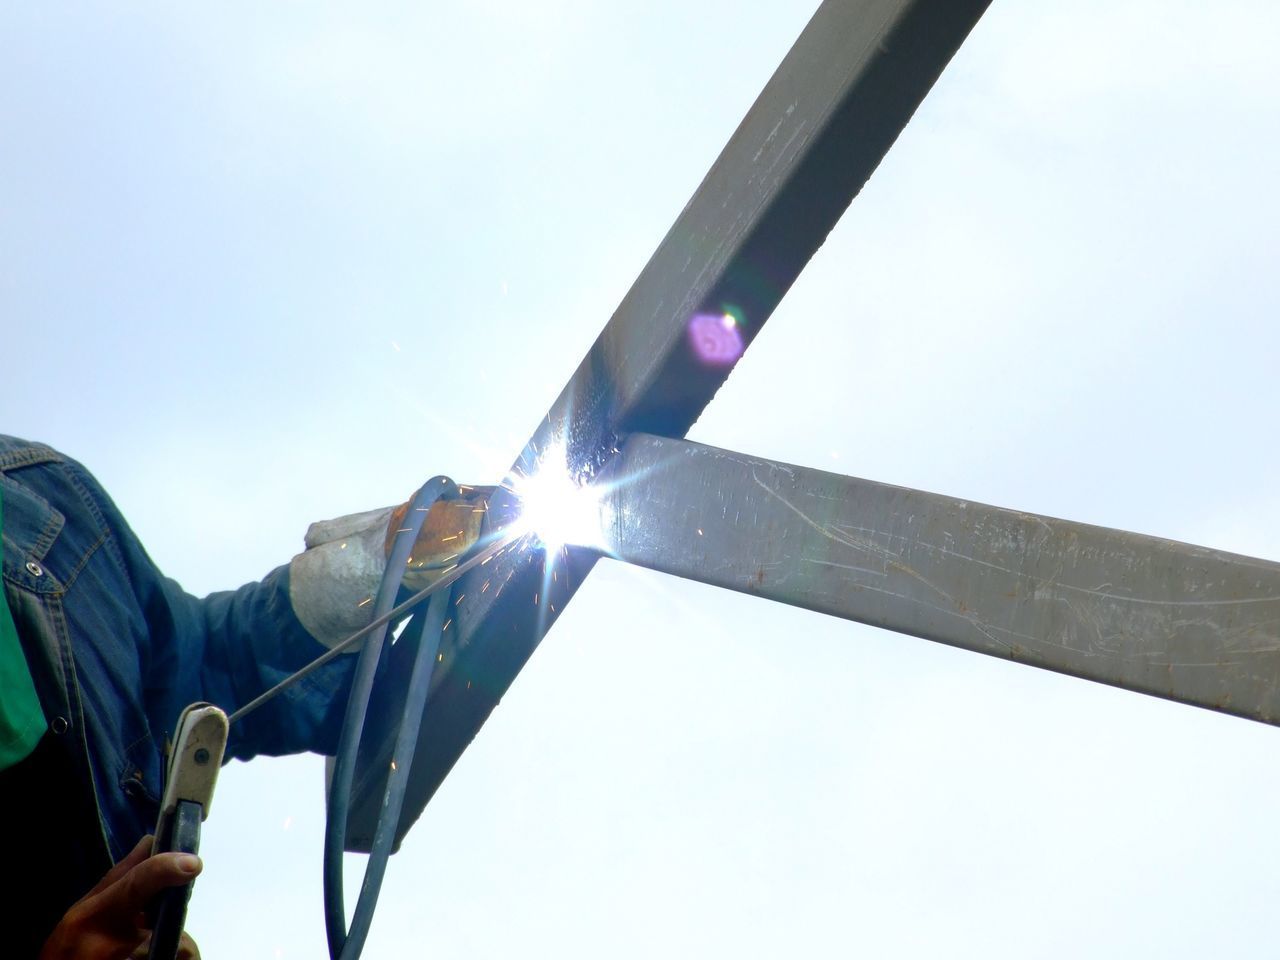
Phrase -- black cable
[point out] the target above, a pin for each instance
(343, 946)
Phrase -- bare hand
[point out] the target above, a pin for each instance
(109, 922)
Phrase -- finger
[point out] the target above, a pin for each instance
(119, 903)
(135, 856)
(395, 523)
(449, 529)
(326, 531)
(187, 949)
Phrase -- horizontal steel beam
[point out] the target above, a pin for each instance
(1187, 623)
(819, 128)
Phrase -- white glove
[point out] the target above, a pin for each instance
(332, 583)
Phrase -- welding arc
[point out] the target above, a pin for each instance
(399, 610)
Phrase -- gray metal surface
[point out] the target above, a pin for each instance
(819, 128)
(1178, 621)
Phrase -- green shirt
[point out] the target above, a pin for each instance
(21, 718)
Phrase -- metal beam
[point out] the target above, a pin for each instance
(819, 128)
(1187, 623)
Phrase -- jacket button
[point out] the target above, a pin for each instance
(59, 725)
(35, 569)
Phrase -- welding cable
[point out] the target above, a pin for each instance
(384, 834)
(428, 639)
(342, 946)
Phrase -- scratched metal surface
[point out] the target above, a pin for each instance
(1187, 623)
(818, 130)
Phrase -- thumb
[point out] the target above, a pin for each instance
(131, 894)
(140, 852)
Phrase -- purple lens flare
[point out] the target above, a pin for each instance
(716, 338)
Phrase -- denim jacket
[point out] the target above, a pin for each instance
(116, 649)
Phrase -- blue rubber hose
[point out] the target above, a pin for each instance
(344, 945)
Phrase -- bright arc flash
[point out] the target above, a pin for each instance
(557, 508)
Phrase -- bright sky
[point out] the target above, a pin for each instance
(262, 264)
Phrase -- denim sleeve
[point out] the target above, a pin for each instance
(226, 649)
(231, 646)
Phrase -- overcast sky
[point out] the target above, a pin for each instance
(262, 264)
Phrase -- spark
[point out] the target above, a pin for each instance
(699, 531)
(446, 625)
(393, 764)
(439, 658)
(365, 602)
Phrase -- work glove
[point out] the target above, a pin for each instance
(332, 583)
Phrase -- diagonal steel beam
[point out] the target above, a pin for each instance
(1187, 623)
(819, 128)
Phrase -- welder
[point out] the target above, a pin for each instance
(99, 654)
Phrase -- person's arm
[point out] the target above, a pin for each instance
(225, 649)
(230, 646)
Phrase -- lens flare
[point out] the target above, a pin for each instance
(556, 507)
(716, 338)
